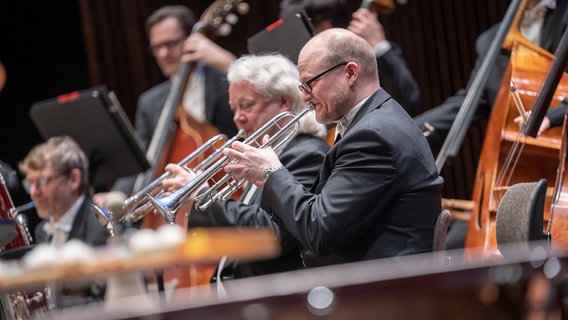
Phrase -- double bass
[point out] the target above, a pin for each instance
(178, 133)
(511, 156)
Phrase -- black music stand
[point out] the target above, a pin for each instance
(286, 36)
(95, 119)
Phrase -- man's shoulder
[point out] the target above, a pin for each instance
(483, 41)
(156, 90)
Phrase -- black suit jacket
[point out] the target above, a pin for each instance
(377, 194)
(442, 116)
(87, 228)
(302, 158)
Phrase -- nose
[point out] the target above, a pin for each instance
(305, 96)
(34, 190)
(238, 116)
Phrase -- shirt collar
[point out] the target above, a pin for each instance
(345, 121)
(66, 221)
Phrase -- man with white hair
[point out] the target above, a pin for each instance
(261, 87)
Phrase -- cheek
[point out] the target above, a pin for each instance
(256, 122)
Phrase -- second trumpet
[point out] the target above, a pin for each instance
(281, 129)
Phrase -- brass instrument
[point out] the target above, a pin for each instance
(136, 207)
(280, 135)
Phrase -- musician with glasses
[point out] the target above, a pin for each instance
(205, 97)
(377, 194)
(261, 87)
(56, 175)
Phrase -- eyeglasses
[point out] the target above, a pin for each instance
(40, 183)
(170, 44)
(307, 86)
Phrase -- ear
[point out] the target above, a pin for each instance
(285, 103)
(75, 177)
(352, 72)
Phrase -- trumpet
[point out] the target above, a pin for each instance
(223, 188)
(136, 206)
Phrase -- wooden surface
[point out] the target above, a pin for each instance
(202, 247)
(425, 286)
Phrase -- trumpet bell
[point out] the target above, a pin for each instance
(165, 206)
(105, 217)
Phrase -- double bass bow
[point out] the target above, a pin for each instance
(461, 124)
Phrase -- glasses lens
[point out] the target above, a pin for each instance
(40, 183)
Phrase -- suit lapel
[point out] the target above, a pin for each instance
(375, 101)
(77, 229)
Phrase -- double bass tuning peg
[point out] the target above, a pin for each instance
(243, 8)
(224, 29)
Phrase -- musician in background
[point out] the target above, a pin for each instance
(396, 79)
(260, 87)
(542, 25)
(377, 194)
(205, 97)
(57, 178)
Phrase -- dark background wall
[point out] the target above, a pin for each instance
(54, 47)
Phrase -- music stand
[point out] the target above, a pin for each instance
(286, 36)
(95, 119)
(7, 231)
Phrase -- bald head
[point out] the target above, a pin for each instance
(339, 69)
(335, 45)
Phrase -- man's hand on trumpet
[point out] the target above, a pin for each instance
(179, 177)
(251, 163)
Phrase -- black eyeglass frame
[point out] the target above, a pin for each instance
(168, 44)
(306, 85)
